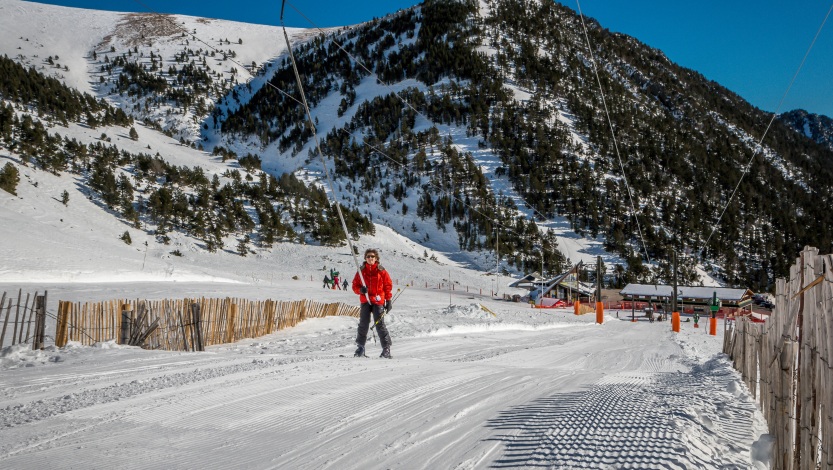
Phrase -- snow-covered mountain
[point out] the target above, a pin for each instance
(817, 127)
(452, 126)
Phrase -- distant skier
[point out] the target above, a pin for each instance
(327, 282)
(375, 297)
(345, 284)
(334, 275)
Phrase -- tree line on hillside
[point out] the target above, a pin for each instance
(150, 193)
(682, 154)
(30, 88)
(684, 141)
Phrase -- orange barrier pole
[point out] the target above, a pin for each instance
(600, 312)
(575, 307)
(713, 326)
(675, 322)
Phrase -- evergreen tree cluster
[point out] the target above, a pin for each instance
(680, 157)
(48, 96)
(444, 184)
(683, 141)
(186, 86)
(144, 189)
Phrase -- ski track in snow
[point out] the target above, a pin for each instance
(563, 394)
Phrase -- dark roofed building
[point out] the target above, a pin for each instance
(698, 298)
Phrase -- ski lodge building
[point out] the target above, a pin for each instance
(690, 299)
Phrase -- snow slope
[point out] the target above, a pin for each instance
(466, 389)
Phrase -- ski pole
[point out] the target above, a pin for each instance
(398, 293)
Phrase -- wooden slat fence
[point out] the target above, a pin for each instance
(21, 319)
(179, 328)
(786, 363)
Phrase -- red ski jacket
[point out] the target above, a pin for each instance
(379, 285)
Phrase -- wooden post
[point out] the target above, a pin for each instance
(783, 450)
(232, 317)
(195, 321)
(184, 333)
(32, 311)
(40, 322)
(63, 323)
(20, 337)
(576, 307)
(16, 316)
(826, 339)
(6, 321)
(126, 324)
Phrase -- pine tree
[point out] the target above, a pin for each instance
(242, 247)
(9, 177)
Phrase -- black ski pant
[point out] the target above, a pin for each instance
(364, 324)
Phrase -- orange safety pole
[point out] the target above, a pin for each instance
(675, 322)
(713, 326)
(576, 306)
(600, 312)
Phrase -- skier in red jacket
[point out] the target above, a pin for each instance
(375, 296)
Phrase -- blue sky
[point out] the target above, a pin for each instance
(751, 47)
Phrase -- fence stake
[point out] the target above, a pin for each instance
(40, 322)
(5, 322)
(32, 311)
(184, 334)
(23, 318)
(16, 316)
(126, 324)
(195, 320)
(232, 317)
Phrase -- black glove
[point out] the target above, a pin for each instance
(363, 290)
(388, 305)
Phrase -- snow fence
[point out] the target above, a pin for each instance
(186, 324)
(786, 363)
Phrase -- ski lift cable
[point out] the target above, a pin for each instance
(612, 131)
(405, 102)
(355, 59)
(289, 96)
(760, 142)
(321, 154)
(268, 83)
(306, 108)
(214, 49)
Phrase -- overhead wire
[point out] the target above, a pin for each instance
(612, 131)
(760, 142)
(406, 103)
(289, 96)
(321, 154)
(167, 18)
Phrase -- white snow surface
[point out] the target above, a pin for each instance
(465, 389)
